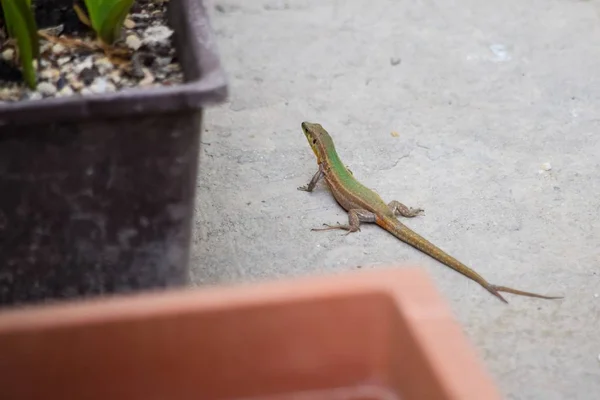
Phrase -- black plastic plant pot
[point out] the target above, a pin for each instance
(97, 193)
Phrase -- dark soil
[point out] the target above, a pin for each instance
(66, 70)
(49, 13)
(9, 72)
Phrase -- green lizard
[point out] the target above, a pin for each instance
(364, 205)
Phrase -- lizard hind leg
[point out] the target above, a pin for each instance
(355, 217)
(400, 209)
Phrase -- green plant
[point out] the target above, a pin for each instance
(106, 17)
(21, 26)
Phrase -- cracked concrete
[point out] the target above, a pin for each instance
(485, 114)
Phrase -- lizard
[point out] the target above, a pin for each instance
(363, 205)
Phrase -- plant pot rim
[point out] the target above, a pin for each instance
(406, 295)
(205, 83)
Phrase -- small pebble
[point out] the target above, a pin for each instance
(51, 74)
(157, 35)
(129, 24)
(46, 88)
(88, 75)
(65, 92)
(63, 60)
(8, 93)
(173, 68)
(546, 166)
(61, 82)
(148, 78)
(35, 95)
(137, 65)
(58, 48)
(115, 76)
(133, 42)
(75, 82)
(8, 54)
(102, 85)
(85, 64)
(104, 65)
(45, 47)
(161, 62)
(139, 16)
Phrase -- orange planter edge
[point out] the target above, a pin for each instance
(374, 332)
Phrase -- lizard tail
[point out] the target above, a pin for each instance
(522, 293)
(402, 232)
(495, 290)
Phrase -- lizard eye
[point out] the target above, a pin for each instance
(314, 141)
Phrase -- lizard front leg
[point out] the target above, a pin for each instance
(400, 209)
(313, 182)
(355, 217)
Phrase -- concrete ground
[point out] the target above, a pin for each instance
(484, 113)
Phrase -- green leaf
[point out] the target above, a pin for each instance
(95, 10)
(107, 16)
(9, 24)
(112, 24)
(21, 25)
(10, 29)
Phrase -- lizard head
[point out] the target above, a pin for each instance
(317, 137)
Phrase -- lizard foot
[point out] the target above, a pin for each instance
(401, 210)
(417, 211)
(348, 228)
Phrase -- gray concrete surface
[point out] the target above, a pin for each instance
(496, 107)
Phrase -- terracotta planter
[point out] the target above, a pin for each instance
(97, 192)
(367, 335)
